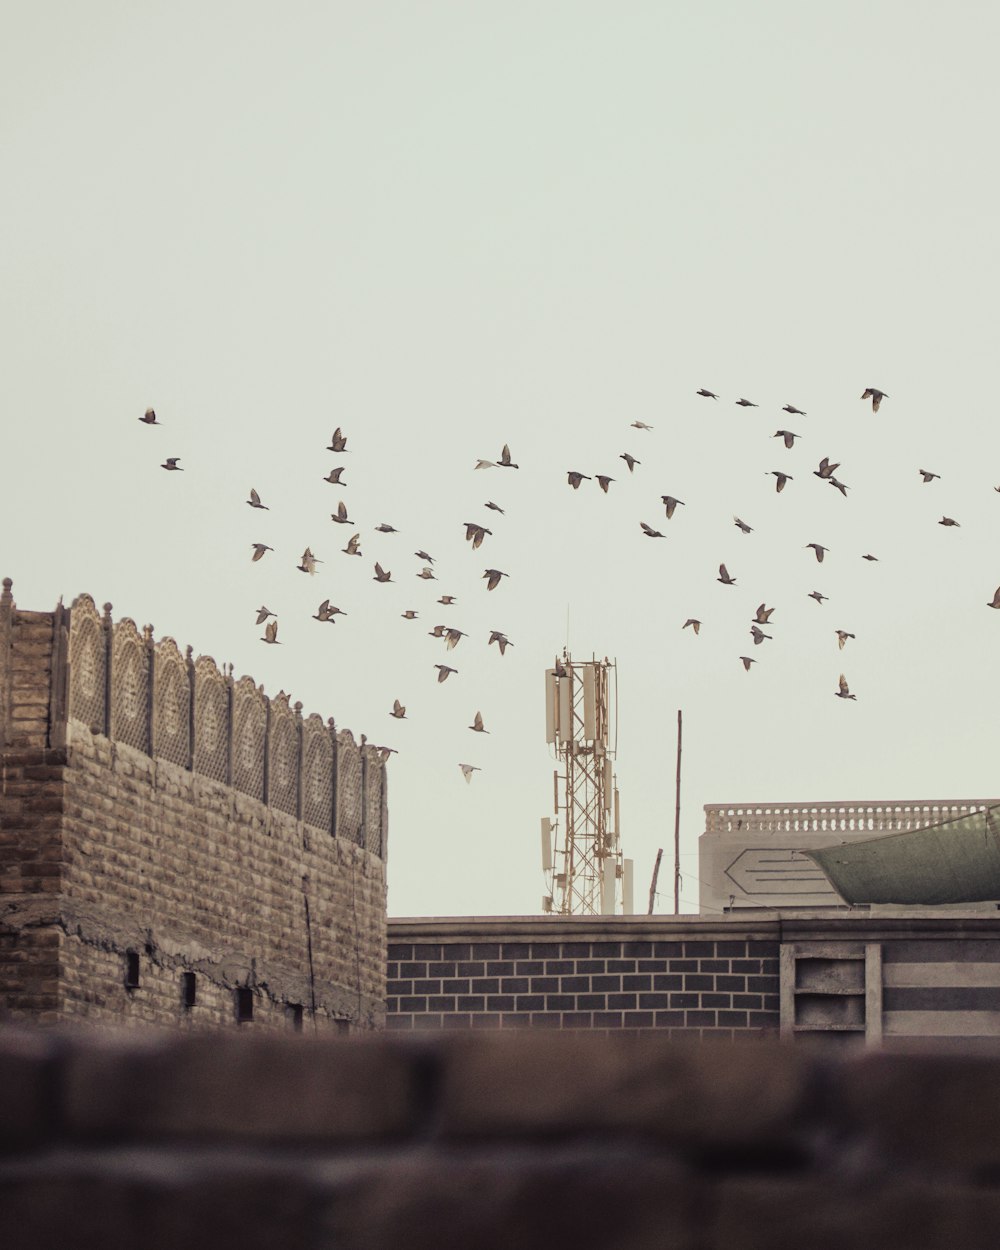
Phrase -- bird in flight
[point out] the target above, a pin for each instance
(380, 574)
(486, 464)
(928, 477)
(996, 599)
(443, 671)
(409, 615)
(706, 394)
(326, 612)
(742, 525)
(575, 478)
(763, 616)
(670, 503)
(477, 724)
(150, 418)
(796, 412)
(270, 632)
(603, 481)
(427, 574)
(353, 547)
(262, 614)
(630, 461)
(640, 425)
(422, 555)
(826, 469)
(788, 437)
(495, 507)
(758, 635)
(385, 529)
(814, 594)
(724, 576)
(437, 631)
(398, 711)
(171, 464)
(494, 576)
(875, 395)
(501, 639)
(747, 661)
(254, 501)
(468, 770)
(505, 460)
(258, 551)
(842, 637)
(476, 533)
(338, 442)
(447, 600)
(844, 691)
(649, 531)
(819, 550)
(870, 557)
(340, 516)
(694, 623)
(309, 562)
(334, 478)
(782, 478)
(947, 520)
(841, 486)
(746, 403)
(453, 637)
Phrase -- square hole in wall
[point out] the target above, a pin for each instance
(131, 970)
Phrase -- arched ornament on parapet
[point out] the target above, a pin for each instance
(349, 788)
(88, 658)
(171, 719)
(211, 720)
(283, 756)
(129, 685)
(317, 773)
(249, 737)
(372, 798)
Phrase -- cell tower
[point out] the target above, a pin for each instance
(581, 858)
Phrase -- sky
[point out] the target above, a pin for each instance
(445, 227)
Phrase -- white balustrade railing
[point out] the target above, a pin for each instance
(865, 817)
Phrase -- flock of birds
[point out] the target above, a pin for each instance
(477, 531)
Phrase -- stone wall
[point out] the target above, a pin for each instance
(174, 847)
(861, 978)
(487, 1143)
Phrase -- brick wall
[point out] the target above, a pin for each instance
(491, 1142)
(125, 873)
(581, 974)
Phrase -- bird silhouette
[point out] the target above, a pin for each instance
(670, 504)
(494, 576)
(844, 692)
(630, 461)
(649, 531)
(254, 501)
(763, 616)
(447, 600)
(326, 612)
(409, 615)
(427, 574)
(814, 594)
(870, 557)
(501, 639)
(171, 464)
(476, 533)
(796, 412)
(486, 464)
(745, 403)
(150, 418)
(468, 770)
(603, 481)
(838, 485)
(818, 550)
(262, 614)
(742, 525)
(826, 469)
(640, 425)
(334, 478)
(947, 520)
(353, 547)
(782, 478)
(575, 478)
(398, 711)
(706, 394)
(258, 551)
(270, 632)
(338, 442)
(927, 476)
(842, 637)
(443, 671)
(309, 562)
(380, 574)
(477, 724)
(437, 631)
(747, 661)
(453, 637)
(495, 507)
(385, 529)
(422, 555)
(724, 576)
(788, 437)
(694, 623)
(996, 599)
(505, 460)
(758, 635)
(875, 395)
(340, 516)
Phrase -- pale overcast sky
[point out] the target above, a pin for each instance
(446, 226)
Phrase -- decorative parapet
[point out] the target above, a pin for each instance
(834, 818)
(115, 679)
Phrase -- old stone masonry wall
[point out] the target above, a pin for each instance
(175, 848)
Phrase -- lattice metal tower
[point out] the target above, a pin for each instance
(581, 857)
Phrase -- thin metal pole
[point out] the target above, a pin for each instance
(652, 884)
(677, 825)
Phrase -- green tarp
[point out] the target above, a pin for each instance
(957, 861)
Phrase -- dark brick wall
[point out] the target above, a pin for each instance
(701, 986)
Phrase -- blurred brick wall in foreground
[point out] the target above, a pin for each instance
(510, 1141)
